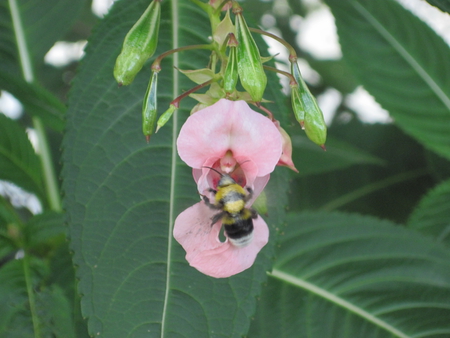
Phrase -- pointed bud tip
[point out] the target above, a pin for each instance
(120, 84)
(147, 138)
(323, 147)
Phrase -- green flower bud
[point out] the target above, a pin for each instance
(231, 73)
(139, 45)
(306, 109)
(297, 105)
(165, 117)
(250, 68)
(149, 110)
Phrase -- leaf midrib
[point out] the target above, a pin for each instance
(415, 64)
(303, 284)
(175, 89)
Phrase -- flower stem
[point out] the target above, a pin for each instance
(51, 184)
(279, 71)
(267, 111)
(45, 155)
(156, 65)
(30, 292)
(292, 52)
(200, 4)
(222, 4)
(176, 102)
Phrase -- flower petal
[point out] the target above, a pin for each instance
(230, 125)
(286, 157)
(206, 253)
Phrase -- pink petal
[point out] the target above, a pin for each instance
(206, 253)
(286, 157)
(230, 125)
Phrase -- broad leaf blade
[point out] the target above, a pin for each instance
(402, 63)
(52, 315)
(311, 159)
(44, 232)
(123, 195)
(443, 5)
(342, 275)
(19, 163)
(44, 23)
(432, 215)
(36, 100)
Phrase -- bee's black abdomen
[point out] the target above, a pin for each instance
(240, 233)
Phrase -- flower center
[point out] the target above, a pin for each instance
(228, 163)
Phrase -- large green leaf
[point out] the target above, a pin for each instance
(311, 159)
(389, 191)
(36, 100)
(343, 275)
(18, 161)
(402, 63)
(443, 5)
(43, 22)
(432, 215)
(123, 195)
(51, 313)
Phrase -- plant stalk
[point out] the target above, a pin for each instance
(51, 183)
(292, 52)
(30, 292)
(156, 65)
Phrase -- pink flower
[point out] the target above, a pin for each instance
(233, 139)
(286, 157)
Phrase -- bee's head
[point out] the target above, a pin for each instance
(224, 180)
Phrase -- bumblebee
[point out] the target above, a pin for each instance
(236, 218)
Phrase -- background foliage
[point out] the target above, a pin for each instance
(363, 250)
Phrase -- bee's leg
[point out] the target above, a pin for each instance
(209, 204)
(254, 213)
(249, 195)
(217, 217)
(212, 190)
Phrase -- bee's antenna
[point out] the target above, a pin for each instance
(221, 175)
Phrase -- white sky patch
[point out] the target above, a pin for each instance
(328, 102)
(63, 53)
(365, 106)
(20, 198)
(33, 137)
(317, 34)
(10, 106)
(437, 20)
(101, 7)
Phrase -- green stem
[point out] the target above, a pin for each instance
(292, 52)
(176, 102)
(31, 298)
(202, 5)
(51, 184)
(50, 180)
(279, 71)
(370, 188)
(156, 65)
(267, 111)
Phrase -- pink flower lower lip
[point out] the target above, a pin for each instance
(232, 150)
(206, 253)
